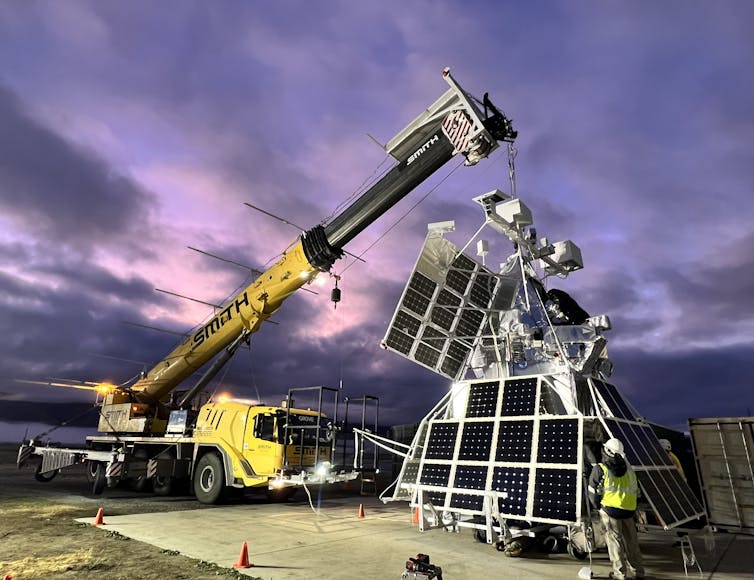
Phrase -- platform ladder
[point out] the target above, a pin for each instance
(367, 465)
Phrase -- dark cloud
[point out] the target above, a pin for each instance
(54, 189)
(670, 387)
(636, 142)
(59, 332)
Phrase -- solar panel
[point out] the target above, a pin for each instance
(482, 400)
(476, 441)
(471, 477)
(514, 439)
(512, 485)
(614, 401)
(528, 464)
(435, 475)
(441, 441)
(555, 495)
(466, 501)
(670, 497)
(558, 439)
(443, 310)
(519, 397)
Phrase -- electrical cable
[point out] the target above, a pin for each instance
(309, 495)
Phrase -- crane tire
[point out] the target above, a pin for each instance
(99, 480)
(163, 485)
(209, 478)
(46, 476)
(141, 482)
(91, 470)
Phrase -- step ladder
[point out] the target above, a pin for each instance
(368, 482)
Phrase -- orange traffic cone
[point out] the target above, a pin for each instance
(415, 518)
(361, 511)
(100, 519)
(243, 557)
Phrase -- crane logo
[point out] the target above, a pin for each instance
(415, 155)
(219, 321)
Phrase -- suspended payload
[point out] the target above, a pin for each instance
(511, 444)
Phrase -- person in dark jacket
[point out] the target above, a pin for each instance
(613, 490)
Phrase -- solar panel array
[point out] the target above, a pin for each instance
(529, 464)
(661, 485)
(443, 309)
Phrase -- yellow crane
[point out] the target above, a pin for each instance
(148, 437)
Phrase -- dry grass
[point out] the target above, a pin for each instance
(34, 566)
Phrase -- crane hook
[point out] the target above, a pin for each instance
(335, 293)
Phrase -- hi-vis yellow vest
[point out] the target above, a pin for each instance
(619, 492)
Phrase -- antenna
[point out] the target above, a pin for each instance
(138, 325)
(272, 215)
(216, 257)
(299, 228)
(188, 298)
(244, 266)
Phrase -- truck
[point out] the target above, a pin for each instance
(151, 435)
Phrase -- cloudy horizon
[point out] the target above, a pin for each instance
(133, 131)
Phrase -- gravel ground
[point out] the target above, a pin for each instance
(40, 539)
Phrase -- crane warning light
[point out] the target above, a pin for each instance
(105, 388)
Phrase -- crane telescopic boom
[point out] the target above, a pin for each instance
(452, 125)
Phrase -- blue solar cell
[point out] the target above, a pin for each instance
(512, 485)
(614, 400)
(514, 441)
(476, 441)
(465, 501)
(558, 441)
(555, 494)
(482, 401)
(441, 441)
(435, 474)
(519, 396)
(471, 477)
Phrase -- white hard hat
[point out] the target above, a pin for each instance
(613, 447)
(665, 444)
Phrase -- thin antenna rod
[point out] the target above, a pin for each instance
(188, 298)
(244, 266)
(272, 215)
(173, 332)
(128, 360)
(252, 270)
(299, 228)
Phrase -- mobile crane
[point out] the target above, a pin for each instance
(150, 435)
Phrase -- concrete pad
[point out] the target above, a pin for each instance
(291, 541)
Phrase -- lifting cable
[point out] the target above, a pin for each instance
(400, 219)
(368, 181)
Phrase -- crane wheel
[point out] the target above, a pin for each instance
(46, 476)
(140, 483)
(99, 480)
(163, 485)
(209, 479)
(91, 471)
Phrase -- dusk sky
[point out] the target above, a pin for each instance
(132, 130)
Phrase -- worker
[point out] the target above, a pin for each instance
(613, 490)
(665, 444)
